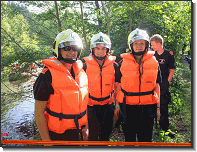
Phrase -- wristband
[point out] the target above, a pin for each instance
(117, 107)
(158, 107)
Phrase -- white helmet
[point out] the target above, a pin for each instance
(101, 39)
(67, 38)
(137, 34)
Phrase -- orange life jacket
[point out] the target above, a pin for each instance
(100, 81)
(138, 87)
(66, 108)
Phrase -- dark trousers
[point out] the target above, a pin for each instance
(165, 98)
(100, 120)
(164, 118)
(139, 123)
(68, 135)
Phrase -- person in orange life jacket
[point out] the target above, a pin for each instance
(61, 92)
(100, 68)
(167, 64)
(138, 99)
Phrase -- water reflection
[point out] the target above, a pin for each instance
(18, 123)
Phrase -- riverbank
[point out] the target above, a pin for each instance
(17, 111)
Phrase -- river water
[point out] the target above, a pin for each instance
(19, 122)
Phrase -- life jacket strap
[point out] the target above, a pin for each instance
(101, 99)
(67, 116)
(132, 94)
(137, 93)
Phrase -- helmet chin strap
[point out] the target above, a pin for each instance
(100, 58)
(67, 60)
(97, 57)
(70, 61)
(138, 53)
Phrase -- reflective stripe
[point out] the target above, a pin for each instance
(57, 62)
(78, 62)
(103, 44)
(111, 58)
(90, 57)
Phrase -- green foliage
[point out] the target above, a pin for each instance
(17, 42)
(177, 88)
(154, 16)
(161, 136)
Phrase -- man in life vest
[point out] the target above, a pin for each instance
(139, 93)
(101, 69)
(61, 92)
(167, 65)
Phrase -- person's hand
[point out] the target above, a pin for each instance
(158, 113)
(116, 114)
(85, 132)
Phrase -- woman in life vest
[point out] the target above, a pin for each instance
(101, 69)
(139, 89)
(61, 92)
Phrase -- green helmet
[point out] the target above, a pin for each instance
(101, 39)
(67, 38)
(137, 34)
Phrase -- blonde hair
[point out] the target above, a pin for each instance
(157, 38)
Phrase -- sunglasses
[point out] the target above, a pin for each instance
(68, 48)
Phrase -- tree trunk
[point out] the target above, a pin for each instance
(131, 16)
(84, 33)
(98, 14)
(143, 14)
(58, 19)
(107, 14)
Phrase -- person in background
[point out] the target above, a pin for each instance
(167, 65)
(61, 92)
(101, 69)
(139, 93)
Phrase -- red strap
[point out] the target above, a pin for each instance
(171, 53)
(44, 70)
